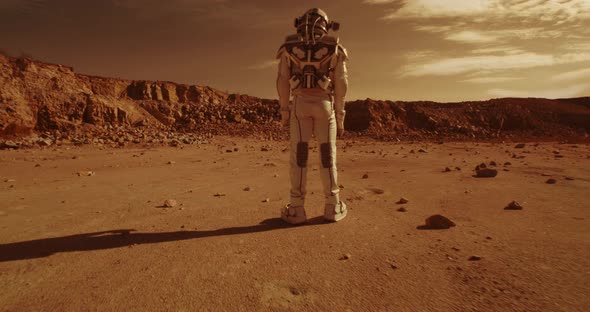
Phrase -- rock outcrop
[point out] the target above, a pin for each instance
(38, 98)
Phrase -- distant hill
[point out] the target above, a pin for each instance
(37, 97)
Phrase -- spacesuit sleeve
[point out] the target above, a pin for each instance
(283, 87)
(340, 88)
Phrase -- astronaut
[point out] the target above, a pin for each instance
(312, 70)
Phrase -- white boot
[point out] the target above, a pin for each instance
(336, 212)
(293, 215)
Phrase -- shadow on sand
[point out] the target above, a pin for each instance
(124, 237)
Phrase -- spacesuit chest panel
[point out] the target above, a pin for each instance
(310, 65)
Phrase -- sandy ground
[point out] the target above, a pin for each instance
(102, 242)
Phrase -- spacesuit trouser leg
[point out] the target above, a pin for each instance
(301, 128)
(325, 133)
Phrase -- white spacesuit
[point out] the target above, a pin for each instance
(312, 70)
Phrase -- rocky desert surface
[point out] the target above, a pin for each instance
(140, 196)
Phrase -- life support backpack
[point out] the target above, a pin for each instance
(311, 64)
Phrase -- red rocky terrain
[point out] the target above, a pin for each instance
(47, 104)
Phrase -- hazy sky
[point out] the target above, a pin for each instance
(442, 50)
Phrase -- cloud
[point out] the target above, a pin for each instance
(539, 10)
(379, 1)
(573, 75)
(490, 63)
(461, 65)
(263, 65)
(565, 92)
(499, 49)
(471, 37)
(485, 80)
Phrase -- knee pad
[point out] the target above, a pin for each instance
(302, 152)
(326, 155)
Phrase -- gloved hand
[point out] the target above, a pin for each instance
(339, 127)
(285, 118)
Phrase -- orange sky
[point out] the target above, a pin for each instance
(441, 50)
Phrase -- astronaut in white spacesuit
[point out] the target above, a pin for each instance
(312, 70)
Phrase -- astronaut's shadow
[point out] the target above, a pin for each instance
(125, 237)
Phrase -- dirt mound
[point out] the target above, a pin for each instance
(50, 102)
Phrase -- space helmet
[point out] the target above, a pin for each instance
(314, 24)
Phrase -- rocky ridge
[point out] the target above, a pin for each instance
(45, 104)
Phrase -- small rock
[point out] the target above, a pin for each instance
(86, 173)
(377, 191)
(545, 175)
(266, 200)
(422, 151)
(228, 151)
(264, 149)
(474, 258)
(569, 178)
(345, 256)
(294, 291)
(341, 186)
(365, 176)
(551, 181)
(9, 180)
(218, 194)
(458, 168)
(402, 201)
(247, 189)
(402, 209)
(520, 145)
(486, 173)
(38, 165)
(236, 149)
(437, 222)
(514, 205)
(493, 163)
(169, 203)
(507, 163)
(447, 169)
(171, 162)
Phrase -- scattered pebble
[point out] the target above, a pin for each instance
(402, 201)
(171, 162)
(507, 163)
(365, 176)
(218, 194)
(569, 178)
(247, 189)
(474, 258)
(513, 205)
(266, 200)
(402, 209)
(551, 181)
(294, 291)
(345, 256)
(520, 145)
(422, 151)
(447, 169)
(377, 191)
